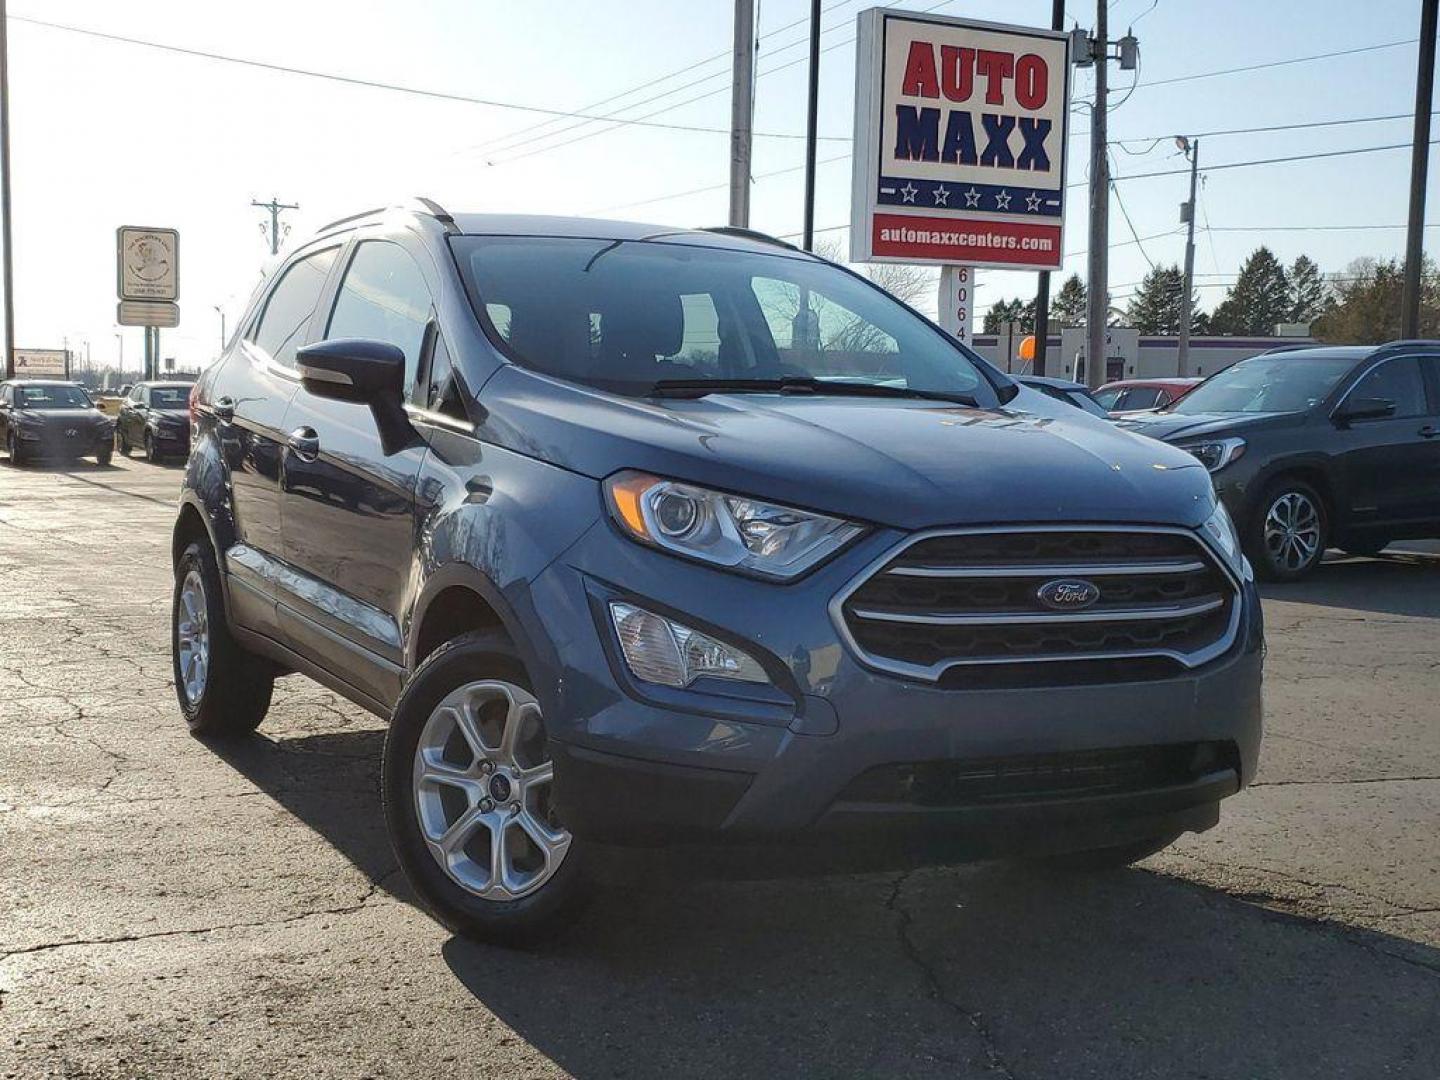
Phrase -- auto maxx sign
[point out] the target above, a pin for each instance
(960, 131)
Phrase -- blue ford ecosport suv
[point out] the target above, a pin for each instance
(642, 535)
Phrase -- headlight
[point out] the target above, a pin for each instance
(1215, 454)
(1221, 531)
(727, 530)
(661, 650)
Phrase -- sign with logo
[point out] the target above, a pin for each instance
(40, 364)
(960, 130)
(147, 263)
(147, 313)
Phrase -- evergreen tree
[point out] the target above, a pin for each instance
(1068, 307)
(1156, 307)
(1258, 300)
(1006, 311)
(1308, 294)
(1365, 309)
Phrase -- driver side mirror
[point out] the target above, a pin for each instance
(362, 372)
(1364, 408)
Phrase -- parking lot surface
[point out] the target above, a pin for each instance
(173, 909)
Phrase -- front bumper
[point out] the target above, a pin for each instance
(642, 764)
(51, 441)
(171, 441)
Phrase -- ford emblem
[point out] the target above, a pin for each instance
(1068, 594)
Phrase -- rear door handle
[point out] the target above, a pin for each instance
(224, 408)
(1429, 431)
(305, 442)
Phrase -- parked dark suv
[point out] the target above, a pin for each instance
(643, 535)
(1314, 447)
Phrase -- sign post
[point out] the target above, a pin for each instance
(960, 133)
(957, 301)
(147, 282)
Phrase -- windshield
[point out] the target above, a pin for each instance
(1280, 383)
(1086, 402)
(170, 397)
(626, 315)
(51, 397)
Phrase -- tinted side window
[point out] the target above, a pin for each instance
(291, 303)
(1396, 380)
(1142, 397)
(383, 298)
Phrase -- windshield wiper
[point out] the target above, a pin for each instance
(801, 384)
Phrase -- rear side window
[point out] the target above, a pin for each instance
(384, 298)
(1141, 397)
(292, 302)
(1396, 380)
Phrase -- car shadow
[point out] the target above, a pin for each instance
(995, 969)
(1397, 582)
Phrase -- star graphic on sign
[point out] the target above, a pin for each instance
(908, 192)
(972, 197)
(1003, 199)
(1032, 202)
(942, 195)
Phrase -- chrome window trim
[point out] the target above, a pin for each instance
(1363, 375)
(933, 672)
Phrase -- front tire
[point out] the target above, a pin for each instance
(466, 782)
(17, 453)
(1289, 531)
(122, 443)
(223, 690)
(103, 455)
(152, 452)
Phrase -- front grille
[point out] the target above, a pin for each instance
(953, 600)
(1037, 777)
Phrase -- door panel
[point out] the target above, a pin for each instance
(349, 508)
(1389, 466)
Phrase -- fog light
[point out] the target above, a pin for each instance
(660, 650)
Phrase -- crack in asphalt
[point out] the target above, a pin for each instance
(995, 1062)
(122, 939)
(1341, 783)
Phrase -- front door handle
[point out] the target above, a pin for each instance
(1429, 431)
(305, 443)
(224, 408)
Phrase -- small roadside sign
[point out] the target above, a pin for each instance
(40, 364)
(147, 313)
(147, 264)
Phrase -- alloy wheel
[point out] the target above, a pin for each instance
(1292, 531)
(192, 634)
(483, 788)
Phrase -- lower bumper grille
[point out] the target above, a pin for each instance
(1038, 777)
(1043, 597)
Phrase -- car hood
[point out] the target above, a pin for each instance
(906, 463)
(74, 417)
(1174, 426)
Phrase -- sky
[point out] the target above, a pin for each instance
(106, 133)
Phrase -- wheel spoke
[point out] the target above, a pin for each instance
(464, 719)
(539, 774)
(515, 717)
(458, 834)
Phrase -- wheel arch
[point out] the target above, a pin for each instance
(458, 598)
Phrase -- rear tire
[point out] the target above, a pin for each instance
(1109, 858)
(1288, 531)
(223, 690)
(457, 802)
(103, 455)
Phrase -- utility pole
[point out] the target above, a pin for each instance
(6, 254)
(810, 121)
(1097, 257)
(742, 113)
(1419, 164)
(1187, 288)
(1042, 290)
(274, 206)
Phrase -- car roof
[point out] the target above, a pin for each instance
(605, 229)
(165, 385)
(43, 382)
(1187, 381)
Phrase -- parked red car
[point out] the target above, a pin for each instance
(1138, 395)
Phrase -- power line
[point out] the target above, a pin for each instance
(533, 137)
(1126, 215)
(1281, 63)
(689, 68)
(1268, 161)
(351, 80)
(1274, 127)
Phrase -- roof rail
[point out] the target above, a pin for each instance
(749, 234)
(416, 204)
(1407, 343)
(1296, 347)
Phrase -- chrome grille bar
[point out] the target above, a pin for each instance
(1188, 566)
(1024, 618)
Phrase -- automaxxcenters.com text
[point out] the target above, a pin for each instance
(999, 241)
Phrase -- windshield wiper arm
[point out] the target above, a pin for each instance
(795, 384)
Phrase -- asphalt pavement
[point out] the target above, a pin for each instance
(169, 909)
